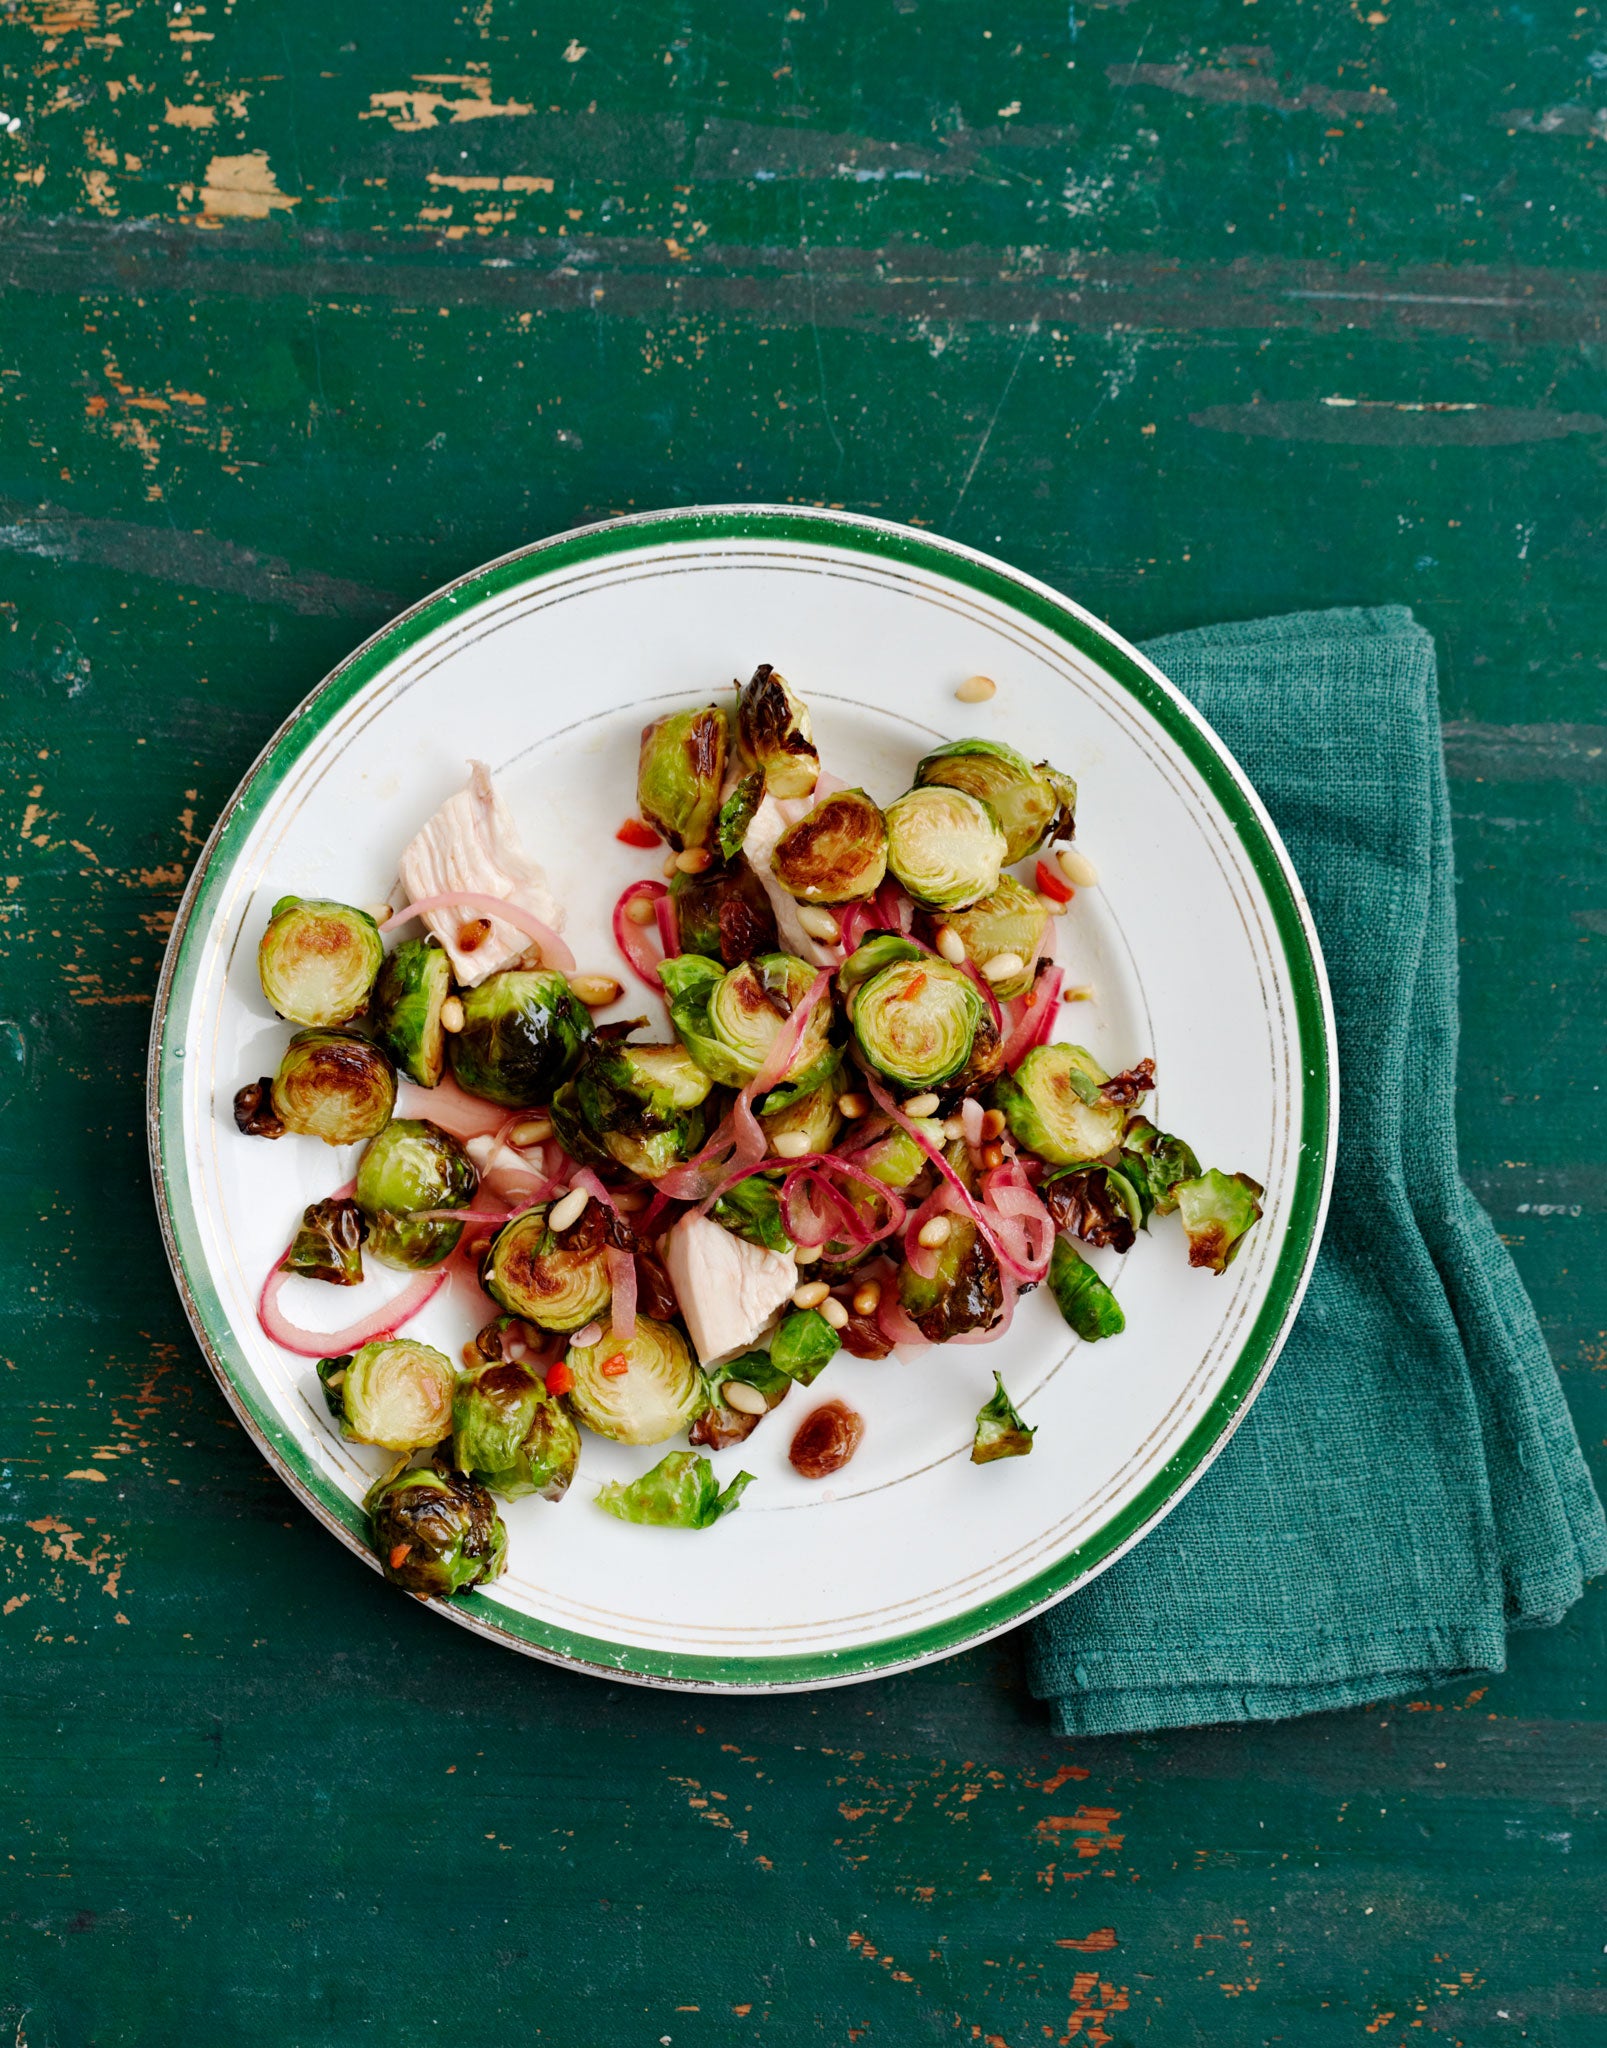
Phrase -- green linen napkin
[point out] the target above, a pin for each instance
(1408, 1486)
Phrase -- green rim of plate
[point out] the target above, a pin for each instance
(1002, 585)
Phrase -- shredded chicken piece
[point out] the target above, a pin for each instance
(472, 843)
(766, 826)
(728, 1289)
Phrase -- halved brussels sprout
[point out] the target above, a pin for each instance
(915, 1021)
(679, 774)
(945, 847)
(1033, 805)
(681, 1492)
(394, 1393)
(328, 1245)
(413, 1166)
(1095, 1203)
(640, 1392)
(1054, 1105)
(558, 1280)
(1218, 1211)
(881, 949)
(1155, 1163)
(638, 1106)
(1011, 920)
(804, 1345)
(837, 854)
(965, 1291)
(724, 913)
(752, 1210)
(317, 961)
(894, 1158)
(757, 1380)
(1082, 1297)
(1000, 1432)
(335, 1086)
(523, 1033)
(728, 1021)
(405, 1008)
(436, 1533)
(512, 1435)
(812, 1116)
(774, 731)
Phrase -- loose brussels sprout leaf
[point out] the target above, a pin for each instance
(724, 913)
(837, 854)
(1054, 1107)
(329, 1244)
(756, 1377)
(804, 1345)
(405, 1008)
(510, 1434)
(317, 961)
(965, 1291)
(1000, 1432)
(1155, 1163)
(335, 1086)
(1095, 1203)
(752, 1209)
(394, 1393)
(945, 847)
(659, 1392)
(679, 774)
(436, 1533)
(523, 1033)
(728, 1022)
(1011, 920)
(812, 1115)
(413, 1166)
(736, 813)
(1024, 799)
(774, 731)
(689, 983)
(559, 1281)
(1081, 1296)
(681, 1492)
(915, 1021)
(881, 949)
(574, 1134)
(1063, 825)
(1218, 1212)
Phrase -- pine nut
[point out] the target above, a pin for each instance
(920, 1105)
(477, 1247)
(531, 1130)
(451, 1014)
(818, 923)
(934, 1232)
(379, 912)
(1081, 992)
(834, 1312)
(851, 1106)
(953, 1128)
(805, 1254)
(868, 1299)
(696, 860)
(672, 863)
(596, 991)
(1050, 905)
(1002, 966)
(790, 1144)
(951, 945)
(992, 1156)
(473, 1357)
(744, 1399)
(569, 1209)
(993, 1121)
(976, 689)
(810, 1295)
(1077, 868)
(640, 910)
(584, 1339)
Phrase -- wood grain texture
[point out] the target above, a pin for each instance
(1198, 312)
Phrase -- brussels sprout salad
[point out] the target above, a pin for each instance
(856, 1129)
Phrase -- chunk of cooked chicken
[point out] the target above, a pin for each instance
(472, 843)
(765, 827)
(728, 1289)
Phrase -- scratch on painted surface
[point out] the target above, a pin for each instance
(1246, 84)
(1397, 422)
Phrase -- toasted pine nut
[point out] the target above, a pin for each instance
(451, 1014)
(531, 1130)
(810, 1295)
(818, 923)
(596, 991)
(953, 1128)
(568, 1209)
(1080, 992)
(976, 689)
(672, 863)
(834, 1312)
(1077, 868)
(920, 1105)
(868, 1299)
(1002, 966)
(851, 1106)
(379, 912)
(584, 1339)
(992, 1156)
(1051, 905)
(640, 910)
(695, 860)
(993, 1121)
(790, 1144)
(472, 1356)
(806, 1254)
(934, 1232)
(951, 945)
(744, 1399)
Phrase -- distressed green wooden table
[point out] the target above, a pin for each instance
(1198, 312)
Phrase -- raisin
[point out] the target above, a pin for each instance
(827, 1438)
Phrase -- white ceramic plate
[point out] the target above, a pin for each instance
(1199, 946)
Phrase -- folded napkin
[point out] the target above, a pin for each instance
(1408, 1486)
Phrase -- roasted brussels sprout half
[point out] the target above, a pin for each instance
(915, 1021)
(1033, 805)
(1011, 920)
(1082, 1297)
(1000, 1432)
(523, 1033)
(813, 1117)
(405, 1008)
(335, 1086)
(1218, 1211)
(633, 1105)
(559, 1280)
(894, 1158)
(1055, 1105)
(328, 1245)
(965, 1291)
(1155, 1163)
(724, 913)
(681, 1492)
(881, 949)
(413, 1168)
(436, 1533)
(752, 1210)
(804, 1345)
(640, 1392)
(741, 1394)
(512, 1435)
(679, 774)
(728, 1022)
(1096, 1203)
(774, 732)
(394, 1393)
(837, 854)
(945, 847)
(317, 961)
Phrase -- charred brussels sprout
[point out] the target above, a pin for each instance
(1033, 805)
(638, 1106)
(1082, 1297)
(393, 1393)
(679, 774)
(1011, 920)
(405, 1008)
(1000, 1432)
(335, 1086)
(523, 1033)
(1218, 1212)
(915, 1021)
(1096, 1203)
(412, 1168)
(317, 961)
(512, 1435)
(724, 914)
(774, 732)
(804, 1345)
(945, 847)
(436, 1533)
(1155, 1163)
(1055, 1105)
(681, 1492)
(742, 1393)
(329, 1244)
(640, 1392)
(837, 854)
(965, 1291)
(728, 1022)
(559, 1280)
